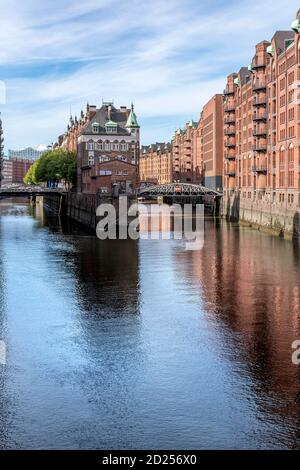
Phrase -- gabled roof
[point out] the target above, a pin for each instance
(107, 116)
(280, 38)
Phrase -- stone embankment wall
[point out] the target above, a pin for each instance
(81, 208)
(280, 219)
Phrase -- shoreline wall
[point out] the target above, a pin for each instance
(280, 219)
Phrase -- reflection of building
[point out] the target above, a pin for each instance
(156, 164)
(253, 309)
(107, 141)
(262, 129)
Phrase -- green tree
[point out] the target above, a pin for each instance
(30, 177)
(53, 166)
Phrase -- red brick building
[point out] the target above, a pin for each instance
(15, 169)
(262, 127)
(156, 164)
(107, 141)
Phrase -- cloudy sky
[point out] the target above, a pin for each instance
(167, 56)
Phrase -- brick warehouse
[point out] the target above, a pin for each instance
(156, 164)
(195, 154)
(262, 133)
(108, 146)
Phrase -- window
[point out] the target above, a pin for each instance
(95, 127)
(111, 130)
(103, 158)
(291, 78)
(282, 118)
(124, 147)
(91, 160)
(105, 172)
(291, 131)
(100, 146)
(291, 178)
(90, 146)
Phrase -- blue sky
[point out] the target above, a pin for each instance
(167, 56)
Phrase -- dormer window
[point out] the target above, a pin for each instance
(111, 127)
(95, 127)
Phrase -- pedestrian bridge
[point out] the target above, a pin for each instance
(178, 189)
(27, 191)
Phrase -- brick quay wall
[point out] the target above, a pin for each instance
(278, 218)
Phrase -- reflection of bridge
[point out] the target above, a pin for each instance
(178, 189)
(27, 191)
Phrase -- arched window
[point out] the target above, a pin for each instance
(281, 156)
(291, 154)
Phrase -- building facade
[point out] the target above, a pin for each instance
(262, 132)
(28, 153)
(108, 148)
(1, 150)
(184, 150)
(156, 164)
(14, 169)
(208, 155)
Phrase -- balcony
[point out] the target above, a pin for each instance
(229, 156)
(260, 117)
(228, 92)
(260, 101)
(259, 148)
(258, 65)
(230, 144)
(259, 169)
(230, 173)
(229, 108)
(229, 120)
(260, 85)
(260, 132)
(230, 131)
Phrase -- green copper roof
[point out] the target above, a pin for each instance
(296, 25)
(192, 124)
(236, 81)
(132, 119)
(111, 124)
(270, 50)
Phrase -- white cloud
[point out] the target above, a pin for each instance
(169, 57)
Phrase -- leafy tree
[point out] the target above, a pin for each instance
(53, 166)
(30, 177)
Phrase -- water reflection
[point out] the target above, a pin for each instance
(124, 344)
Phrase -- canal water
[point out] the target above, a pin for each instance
(141, 344)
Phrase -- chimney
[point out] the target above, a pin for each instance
(109, 112)
(91, 111)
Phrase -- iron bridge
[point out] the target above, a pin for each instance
(179, 189)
